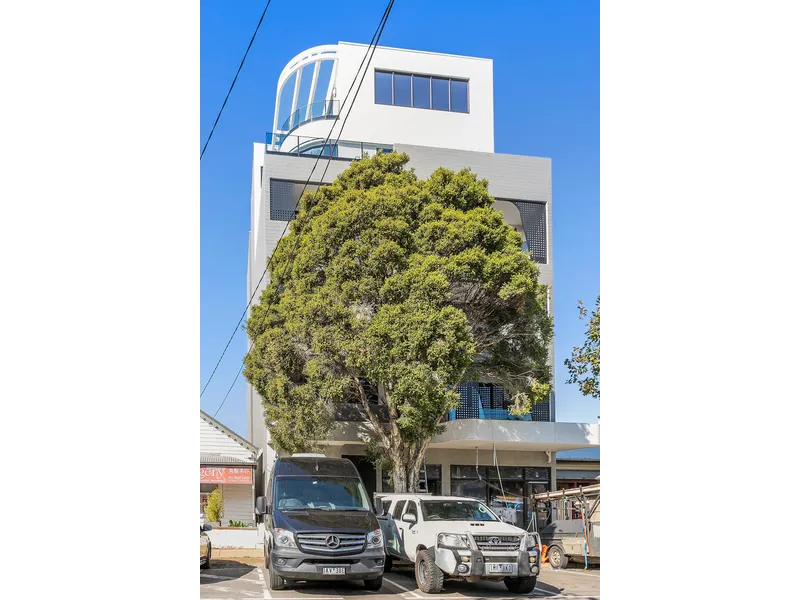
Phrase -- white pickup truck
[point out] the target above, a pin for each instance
(458, 538)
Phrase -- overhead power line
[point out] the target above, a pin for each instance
(373, 41)
(235, 77)
(368, 58)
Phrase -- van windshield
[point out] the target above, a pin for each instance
(456, 510)
(320, 493)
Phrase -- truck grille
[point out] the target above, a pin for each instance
(498, 543)
(331, 543)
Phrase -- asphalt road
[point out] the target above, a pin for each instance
(230, 580)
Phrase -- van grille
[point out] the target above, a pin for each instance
(331, 543)
(497, 543)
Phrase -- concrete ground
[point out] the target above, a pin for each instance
(245, 578)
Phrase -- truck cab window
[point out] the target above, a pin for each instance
(412, 508)
(398, 510)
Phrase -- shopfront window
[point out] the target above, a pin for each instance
(508, 493)
(434, 473)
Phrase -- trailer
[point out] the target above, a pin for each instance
(573, 532)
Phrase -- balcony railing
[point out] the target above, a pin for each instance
(325, 109)
(313, 146)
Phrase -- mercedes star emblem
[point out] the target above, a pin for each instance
(332, 541)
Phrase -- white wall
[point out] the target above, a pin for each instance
(213, 440)
(371, 122)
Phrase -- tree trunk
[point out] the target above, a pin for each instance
(406, 466)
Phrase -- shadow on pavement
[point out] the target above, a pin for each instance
(224, 570)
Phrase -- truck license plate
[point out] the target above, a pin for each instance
(333, 570)
(500, 567)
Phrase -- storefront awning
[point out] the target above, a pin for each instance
(208, 458)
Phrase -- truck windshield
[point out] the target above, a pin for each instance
(320, 493)
(456, 510)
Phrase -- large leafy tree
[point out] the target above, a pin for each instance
(584, 364)
(413, 285)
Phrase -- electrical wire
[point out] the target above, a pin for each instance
(377, 34)
(372, 46)
(235, 77)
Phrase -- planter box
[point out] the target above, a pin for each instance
(234, 537)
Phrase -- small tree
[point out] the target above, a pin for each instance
(412, 285)
(215, 506)
(584, 366)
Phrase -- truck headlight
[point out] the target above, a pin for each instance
(531, 541)
(284, 539)
(454, 540)
(375, 539)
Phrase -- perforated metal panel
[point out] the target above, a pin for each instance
(534, 222)
(284, 197)
(489, 401)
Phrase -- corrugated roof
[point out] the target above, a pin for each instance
(207, 458)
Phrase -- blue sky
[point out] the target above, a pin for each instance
(547, 103)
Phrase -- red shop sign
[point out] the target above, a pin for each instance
(243, 475)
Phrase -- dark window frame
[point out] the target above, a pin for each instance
(430, 78)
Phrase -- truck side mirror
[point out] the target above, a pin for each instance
(262, 508)
(409, 518)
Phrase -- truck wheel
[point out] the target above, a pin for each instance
(387, 564)
(373, 584)
(520, 585)
(276, 582)
(557, 558)
(430, 578)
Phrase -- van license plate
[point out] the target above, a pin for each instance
(333, 570)
(500, 567)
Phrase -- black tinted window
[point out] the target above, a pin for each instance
(383, 88)
(459, 102)
(398, 509)
(412, 508)
(402, 90)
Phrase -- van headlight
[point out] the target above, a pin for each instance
(375, 539)
(454, 540)
(284, 539)
(531, 541)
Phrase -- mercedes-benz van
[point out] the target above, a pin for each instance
(318, 523)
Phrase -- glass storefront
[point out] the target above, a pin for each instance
(434, 473)
(507, 493)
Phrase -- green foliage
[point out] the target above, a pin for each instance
(215, 506)
(408, 283)
(584, 366)
(236, 524)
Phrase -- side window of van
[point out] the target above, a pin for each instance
(398, 510)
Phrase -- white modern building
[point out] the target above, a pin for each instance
(439, 109)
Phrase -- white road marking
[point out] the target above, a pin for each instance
(263, 584)
(572, 572)
(409, 592)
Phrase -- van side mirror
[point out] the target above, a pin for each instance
(262, 508)
(409, 518)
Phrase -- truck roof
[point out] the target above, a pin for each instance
(409, 496)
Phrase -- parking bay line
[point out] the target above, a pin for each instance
(573, 572)
(412, 593)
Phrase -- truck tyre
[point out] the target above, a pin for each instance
(430, 578)
(387, 564)
(557, 558)
(276, 582)
(374, 584)
(520, 585)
